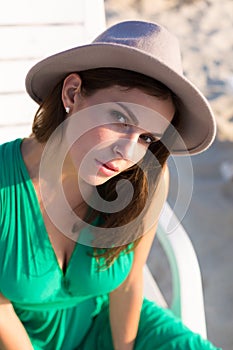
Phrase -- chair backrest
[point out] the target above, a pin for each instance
(187, 299)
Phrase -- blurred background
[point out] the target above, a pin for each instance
(204, 29)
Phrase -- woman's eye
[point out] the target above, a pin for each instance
(148, 138)
(119, 117)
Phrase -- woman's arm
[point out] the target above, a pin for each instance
(12, 333)
(126, 300)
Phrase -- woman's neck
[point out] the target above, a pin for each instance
(32, 152)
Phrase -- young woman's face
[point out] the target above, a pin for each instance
(112, 130)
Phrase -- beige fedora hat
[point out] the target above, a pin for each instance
(143, 47)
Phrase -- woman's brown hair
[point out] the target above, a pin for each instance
(143, 176)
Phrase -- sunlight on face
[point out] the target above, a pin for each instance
(107, 138)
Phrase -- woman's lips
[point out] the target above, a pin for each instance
(111, 166)
(108, 168)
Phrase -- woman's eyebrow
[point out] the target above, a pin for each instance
(130, 113)
(134, 118)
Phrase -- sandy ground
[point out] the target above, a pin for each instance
(204, 29)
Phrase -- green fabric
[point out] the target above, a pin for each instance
(65, 311)
(158, 330)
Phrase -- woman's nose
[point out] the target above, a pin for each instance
(129, 148)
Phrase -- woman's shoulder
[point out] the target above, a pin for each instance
(161, 192)
(165, 176)
(7, 154)
(8, 147)
(160, 195)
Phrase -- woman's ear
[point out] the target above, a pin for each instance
(71, 86)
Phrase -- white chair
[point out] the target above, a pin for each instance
(187, 298)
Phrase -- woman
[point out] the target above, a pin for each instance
(80, 197)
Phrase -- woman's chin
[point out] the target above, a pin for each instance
(94, 180)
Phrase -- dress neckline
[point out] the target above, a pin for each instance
(39, 213)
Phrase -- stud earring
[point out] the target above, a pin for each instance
(67, 109)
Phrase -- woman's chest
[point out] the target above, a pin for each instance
(31, 259)
(30, 271)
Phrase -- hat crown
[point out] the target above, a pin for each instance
(149, 38)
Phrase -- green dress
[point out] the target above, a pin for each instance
(66, 311)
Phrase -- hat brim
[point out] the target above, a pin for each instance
(198, 127)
